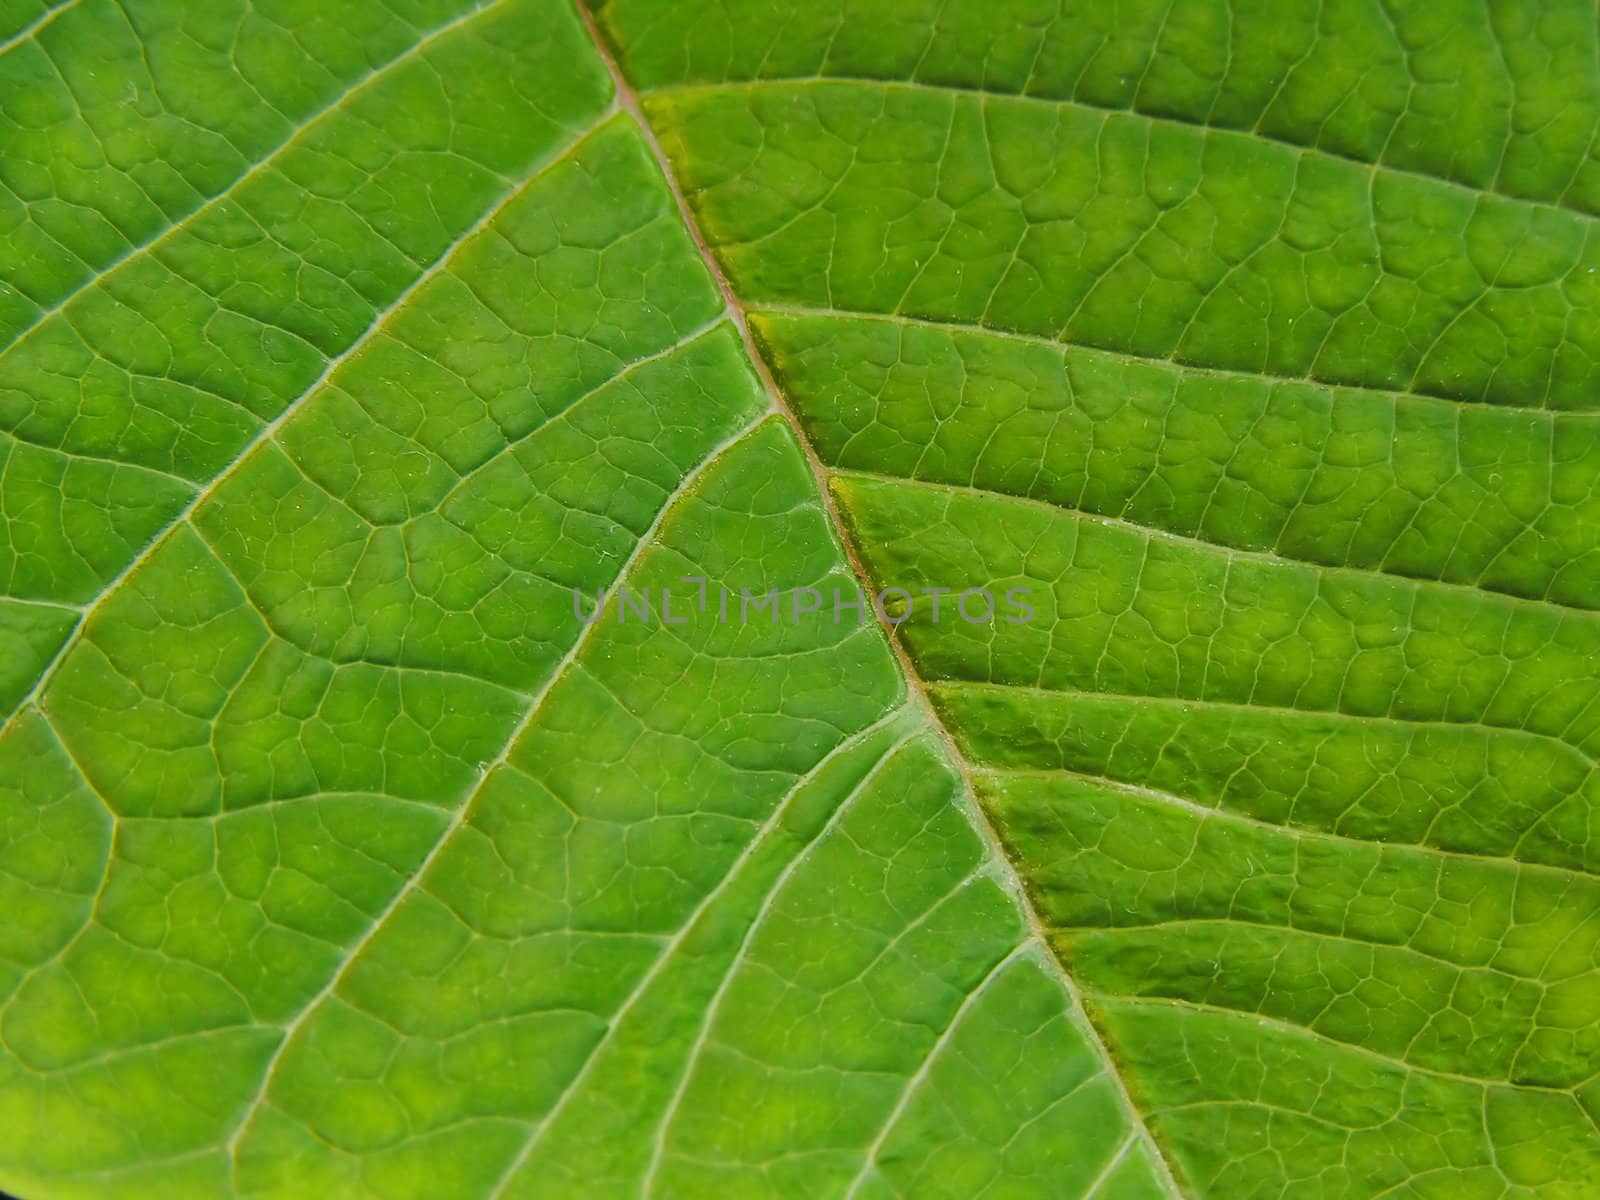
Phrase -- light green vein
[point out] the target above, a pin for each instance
(1205, 129)
(463, 810)
(269, 431)
(37, 26)
(160, 236)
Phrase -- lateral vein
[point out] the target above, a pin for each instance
(270, 430)
(169, 231)
(459, 818)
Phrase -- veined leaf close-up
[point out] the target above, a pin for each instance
(799, 598)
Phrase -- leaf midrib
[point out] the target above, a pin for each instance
(629, 100)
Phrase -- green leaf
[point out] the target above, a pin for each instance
(1241, 358)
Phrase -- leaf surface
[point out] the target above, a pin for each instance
(343, 346)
